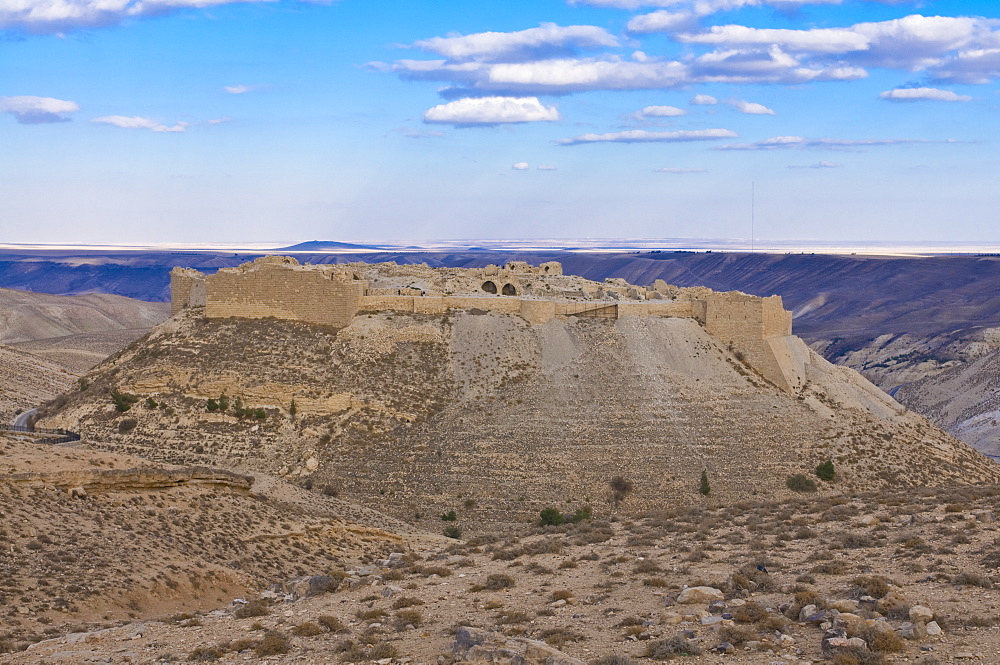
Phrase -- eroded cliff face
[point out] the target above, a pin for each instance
(419, 414)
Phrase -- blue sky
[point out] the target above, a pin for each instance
(212, 121)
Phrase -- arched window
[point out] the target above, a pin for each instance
(489, 287)
(509, 290)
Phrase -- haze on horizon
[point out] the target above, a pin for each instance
(173, 121)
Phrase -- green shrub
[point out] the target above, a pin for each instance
(453, 531)
(581, 515)
(825, 471)
(449, 516)
(704, 487)
(671, 647)
(127, 425)
(620, 488)
(800, 482)
(123, 401)
(551, 517)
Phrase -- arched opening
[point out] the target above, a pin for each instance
(509, 290)
(546, 268)
(489, 287)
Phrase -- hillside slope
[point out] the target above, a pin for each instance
(487, 414)
(27, 380)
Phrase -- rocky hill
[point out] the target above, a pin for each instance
(486, 415)
(90, 537)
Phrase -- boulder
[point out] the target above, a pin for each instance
(700, 595)
(921, 614)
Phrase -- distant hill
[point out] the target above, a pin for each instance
(324, 246)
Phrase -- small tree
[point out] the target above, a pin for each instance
(620, 488)
(551, 517)
(825, 471)
(704, 487)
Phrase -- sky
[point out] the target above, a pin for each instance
(139, 121)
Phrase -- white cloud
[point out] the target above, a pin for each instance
(818, 40)
(978, 66)
(920, 94)
(750, 108)
(676, 170)
(547, 167)
(137, 122)
(219, 121)
(491, 111)
(587, 74)
(520, 166)
(29, 110)
(771, 66)
(546, 40)
(643, 136)
(660, 21)
(705, 7)
(792, 142)
(817, 165)
(703, 100)
(661, 112)
(55, 16)
(238, 89)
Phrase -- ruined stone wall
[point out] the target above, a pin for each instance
(283, 291)
(745, 323)
(187, 289)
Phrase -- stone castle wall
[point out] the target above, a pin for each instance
(756, 329)
(283, 292)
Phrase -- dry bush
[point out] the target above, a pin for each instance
(969, 578)
(375, 614)
(647, 567)
(737, 635)
(751, 612)
(307, 629)
(875, 586)
(206, 654)
(671, 647)
(406, 601)
(273, 644)
(561, 594)
(497, 581)
(558, 637)
(406, 618)
(615, 659)
(255, 608)
(331, 623)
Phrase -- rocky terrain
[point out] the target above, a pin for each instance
(48, 341)
(88, 537)
(876, 578)
(493, 418)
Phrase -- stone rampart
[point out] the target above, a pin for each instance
(283, 291)
(756, 329)
(187, 289)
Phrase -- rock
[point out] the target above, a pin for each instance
(711, 620)
(390, 590)
(921, 614)
(845, 605)
(700, 595)
(312, 464)
(806, 612)
(309, 585)
(786, 641)
(868, 520)
(725, 647)
(77, 492)
(669, 601)
(466, 638)
(912, 631)
(934, 630)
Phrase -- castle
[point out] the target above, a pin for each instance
(757, 330)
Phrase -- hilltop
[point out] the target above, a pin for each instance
(474, 408)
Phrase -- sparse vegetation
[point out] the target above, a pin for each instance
(800, 482)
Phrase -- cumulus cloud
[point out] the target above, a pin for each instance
(29, 110)
(921, 94)
(750, 108)
(704, 7)
(55, 16)
(818, 40)
(792, 142)
(660, 112)
(491, 111)
(520, 166)
(674, 169)
(661, 21)
(703, 100)
(138, 122)
(545, 41)
(643, 136)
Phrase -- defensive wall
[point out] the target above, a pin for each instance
(757, 330)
